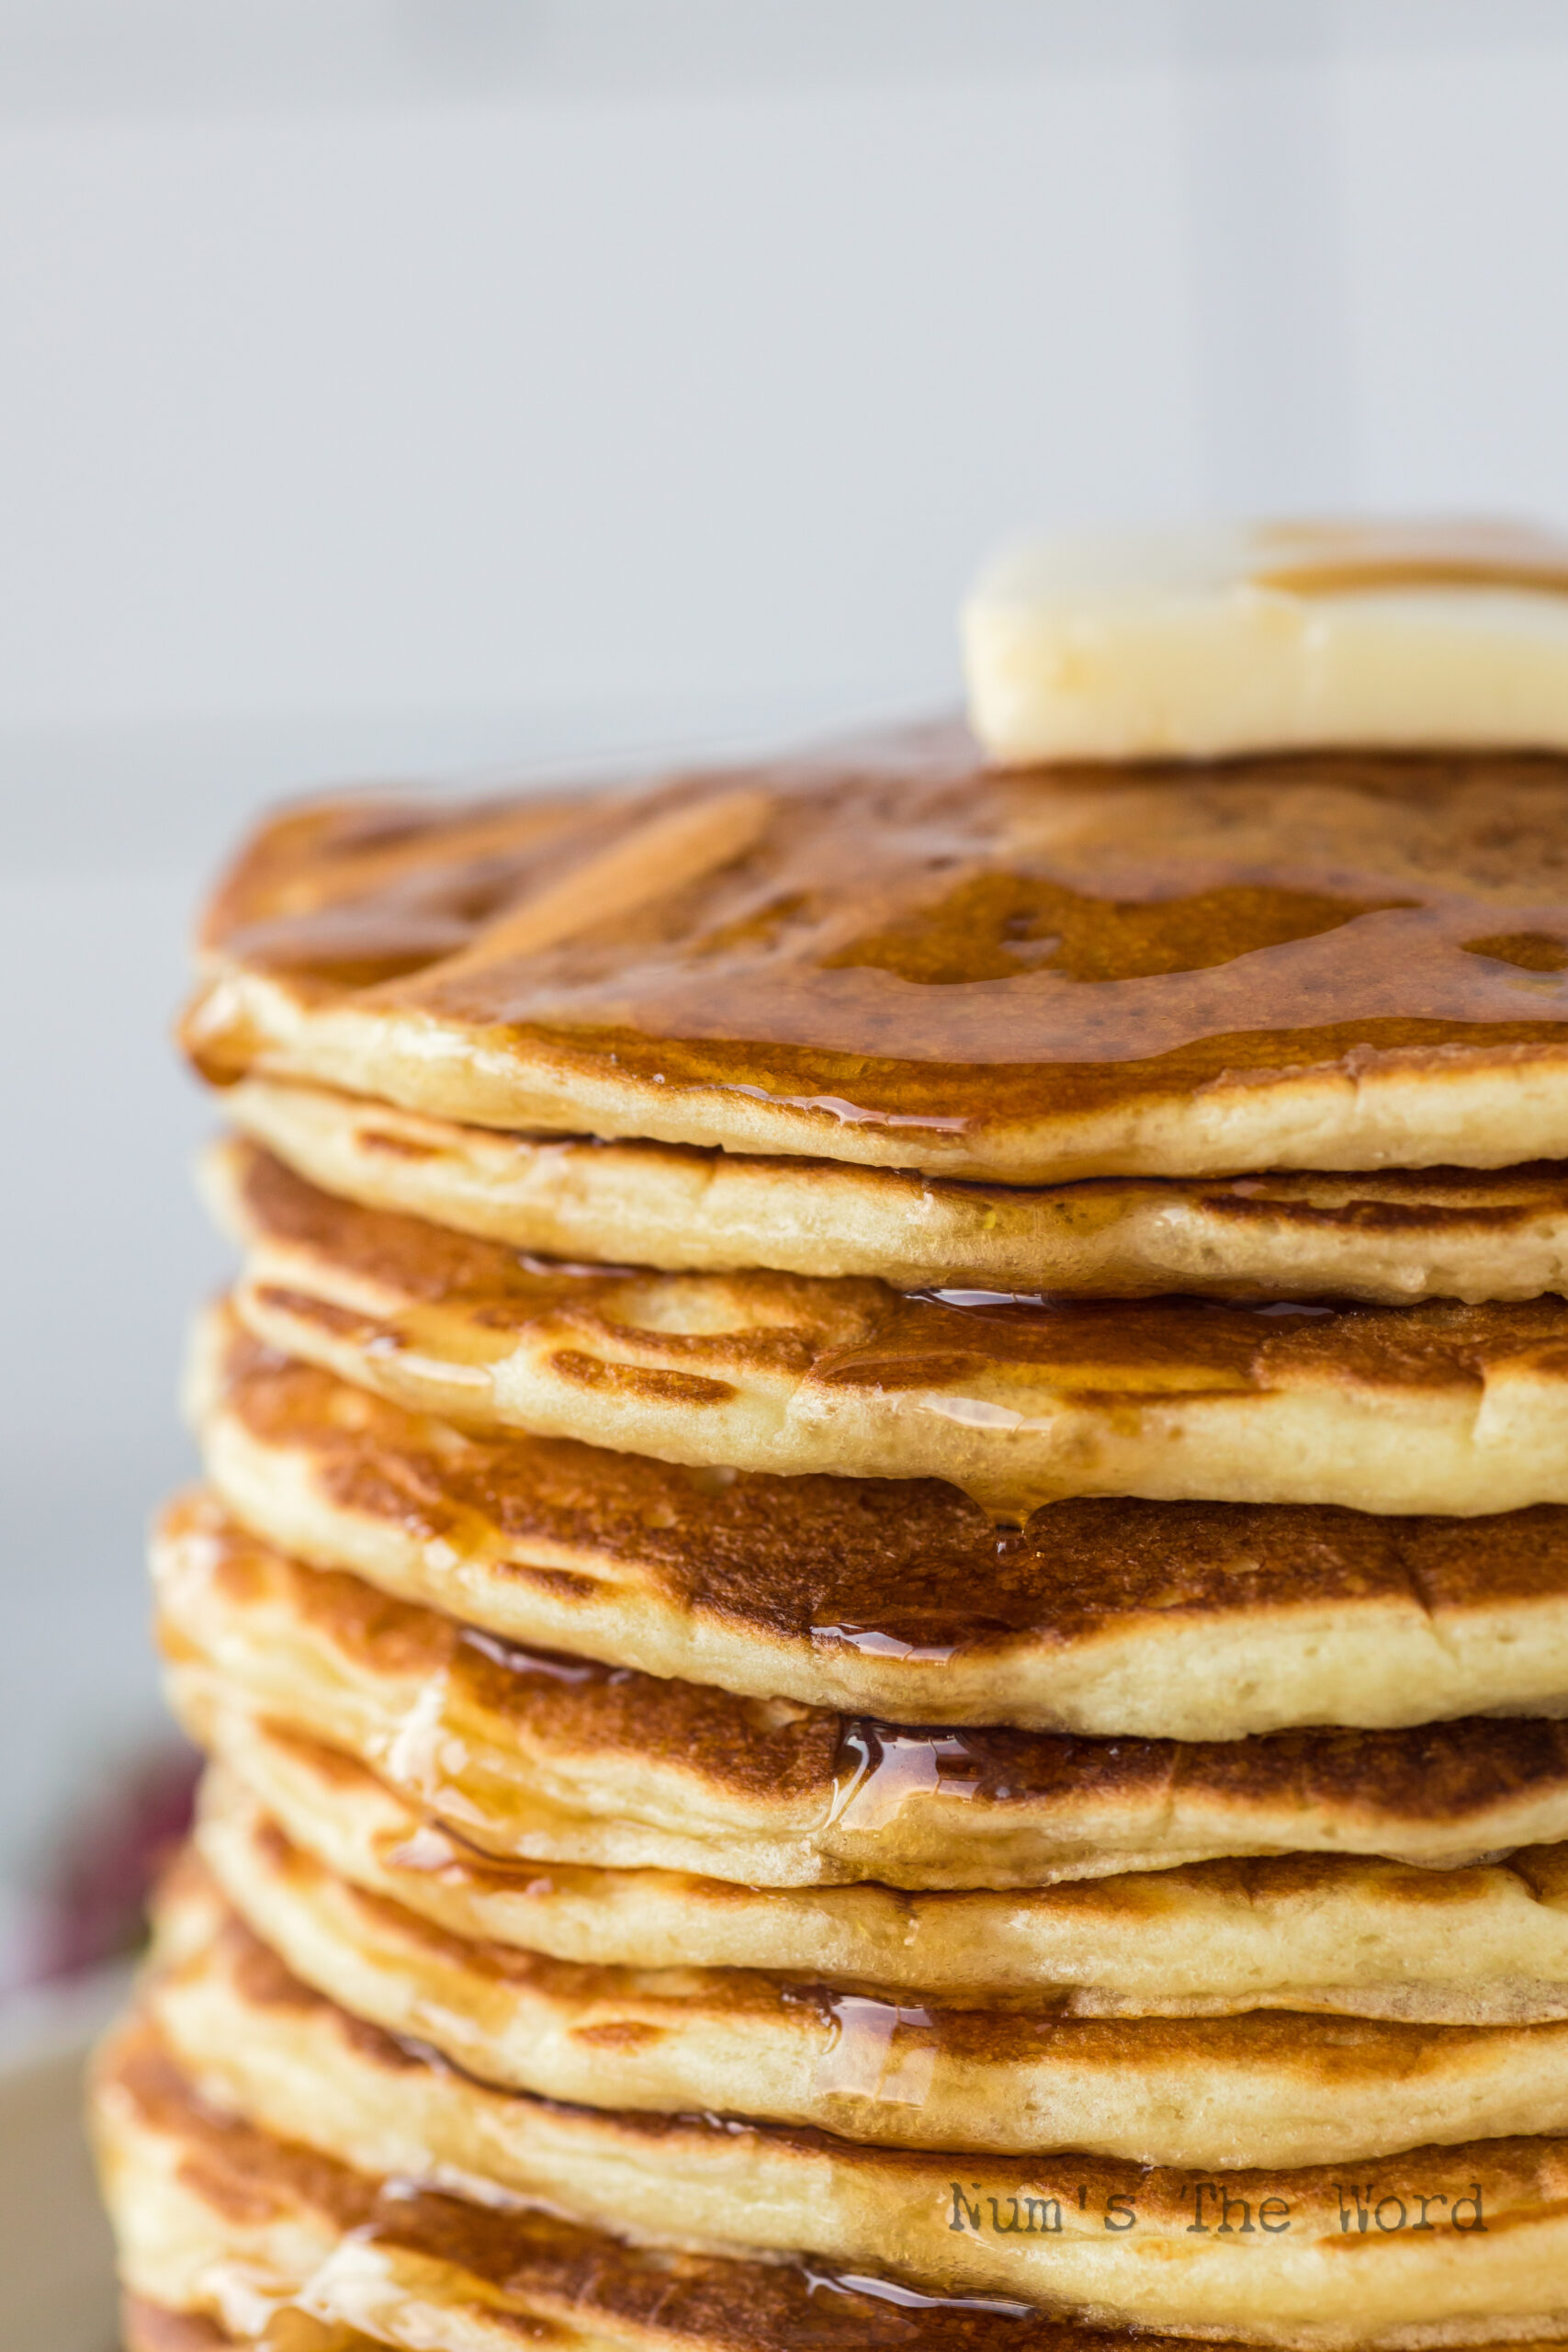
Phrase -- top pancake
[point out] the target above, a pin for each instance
(892, 956)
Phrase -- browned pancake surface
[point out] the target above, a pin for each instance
(1395, 1235)
(1438, 1407)
(807, 1755)
(902, 1570)
(852, 1333)
(1269, 2086)
(918, 953)
(298, 2065)
(688, 2302)
(1521, 2163)
(478, 1722)
(1334, 1934)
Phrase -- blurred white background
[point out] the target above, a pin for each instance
(418, 386)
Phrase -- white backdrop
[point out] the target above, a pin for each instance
(416, 386)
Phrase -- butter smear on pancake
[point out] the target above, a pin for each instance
(1203, 642)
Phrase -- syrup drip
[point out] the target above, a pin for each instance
(903, 1637)
(879, 2052)
(1334, 558)
(909, 2298)
(553, 1665)
(881, 1767)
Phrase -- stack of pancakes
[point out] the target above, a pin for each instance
(881, 1607)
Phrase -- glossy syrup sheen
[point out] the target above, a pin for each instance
(900, 934)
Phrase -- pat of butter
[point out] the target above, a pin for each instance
(1199, 643)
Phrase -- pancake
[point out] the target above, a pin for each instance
(556, 1759)
(203, 2203)
(1434, 1408)
(1396, 1237)
(1491, 2261)
(1184, 1621)
(1342, 1934)
(219, 2228)
(1270, 2087)
(150, 2327)
(886, 953)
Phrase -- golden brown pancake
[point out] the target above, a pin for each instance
(1090, 2237)
(1341, 1933)
(204, 2203)
(1268, 2087)
(1441, 1407)
(1395, 1237)
(1186, 1621)
(549, 1758)
(887, 955)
